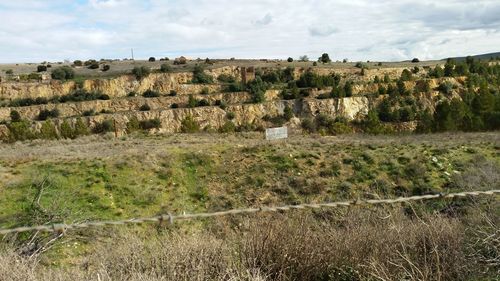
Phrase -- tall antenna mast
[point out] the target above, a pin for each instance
(132, 51)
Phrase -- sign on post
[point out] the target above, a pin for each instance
(277, 133)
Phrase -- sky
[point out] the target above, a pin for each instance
(359, 30)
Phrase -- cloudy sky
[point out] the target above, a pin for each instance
(355, 29)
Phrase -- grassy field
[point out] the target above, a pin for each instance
(100, 178)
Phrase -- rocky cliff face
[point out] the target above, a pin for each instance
(129, 104)
(121, 108)
(165, 82)
(116, 87)
(14, 90)
(214, 117)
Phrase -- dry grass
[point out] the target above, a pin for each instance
(377, 244)
(96, 146)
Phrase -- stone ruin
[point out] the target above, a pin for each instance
(247, 74)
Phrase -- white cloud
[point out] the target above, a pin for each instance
(354, 29)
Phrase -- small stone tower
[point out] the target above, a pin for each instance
(247, 74)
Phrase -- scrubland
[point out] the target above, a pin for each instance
(102, 177)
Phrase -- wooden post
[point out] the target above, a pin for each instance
(116, 129)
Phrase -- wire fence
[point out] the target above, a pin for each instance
(169, 218)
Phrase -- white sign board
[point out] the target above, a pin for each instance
(277, 133)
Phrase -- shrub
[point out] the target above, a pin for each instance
(438, 72)
(103, 127)
(304, 58)
(48, 131)
(445, 88)
(78, 63)
(15, 116)
(308, 125)
(189, 125)
(371, 124)
(150, 94)
(406, 114)
(145, 107)
(132, 94)
(329, 126)
(287, 113)
(406, 75)
(172, 93)
(81, 128)
(82, 95)
(133, 125)
(89, 112)
(271, 76)
(152, 59)
(46, 114)
(235, 87)
(415, 60)
(150, 124)
(105, 111)
(228, 127)
(205, 91)
(93, 65)
(192, 102)
(203, 102)
(174, 105)
(164, 68)
(66, 130)
(382, 90)
(325, 58)
(257, 89)
(230, 115)
(402, 88)
(34, 76)
(20, 131)
(63, 73)
(106, 67)
(425, 122)
(226, 78)
(291, 94)
(222, 104)
(200, 77)
(141, 72)
(289, 59)
(89, 62)
(348, 88)
(312, 80)
(41, 68)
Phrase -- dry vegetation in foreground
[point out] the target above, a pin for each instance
(358, 244)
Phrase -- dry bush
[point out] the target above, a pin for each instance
(479, 174)
(14, 267)
(362, 246)
(353, 244)
(169, 256)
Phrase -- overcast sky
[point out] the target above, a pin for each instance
(355, 29)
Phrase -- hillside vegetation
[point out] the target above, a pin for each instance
(147, 138)
(97, 179)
